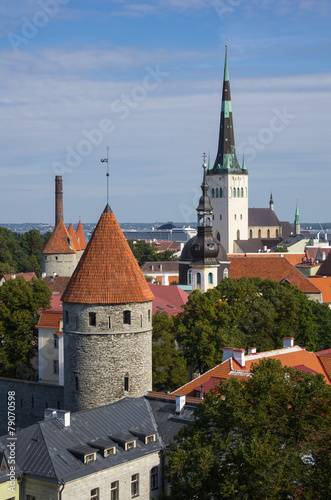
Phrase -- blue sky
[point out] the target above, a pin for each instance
(145, 78)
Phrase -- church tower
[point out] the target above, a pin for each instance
(107, 323)
(228, 182)
(297, 221)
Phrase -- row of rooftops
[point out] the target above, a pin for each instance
(237, 363)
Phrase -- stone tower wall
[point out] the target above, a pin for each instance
(108, 360)
(61, 264)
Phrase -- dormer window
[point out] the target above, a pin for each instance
(89, 458)
(130, 445)
(109, 451)
(150, 439)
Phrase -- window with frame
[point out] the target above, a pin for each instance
(198, 279)
(114, 490)
(154, 478)
(135, 485)
(95, 494)
(189, 277)
(89, 458)
(210, 278)
(130, 445)
(92, 318)
(55, 367)
(127, 317)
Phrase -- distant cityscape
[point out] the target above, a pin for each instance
(138, 226)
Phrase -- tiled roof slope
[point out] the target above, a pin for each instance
(59, 240)
(57, 283)
(262, 217)
(274, 268)
(323, 283)
(296, 357)
(74, 240)
(107, 272)
(81, 236)
(168, 298)
(26, 276)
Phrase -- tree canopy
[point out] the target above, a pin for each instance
(169, 365)
(249, 312)
(20, 304)
(21, 252)
(267, 436)
(146, 252)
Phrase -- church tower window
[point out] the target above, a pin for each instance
(210, 278)
(234, 192)
(189, 277)
(242, 192)
(216, 192)
(198, 279)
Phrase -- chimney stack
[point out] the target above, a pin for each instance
(58, 199)
(288, 342)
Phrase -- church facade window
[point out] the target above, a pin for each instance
(198, 278)
(234, 192)
(242, 192)
(213, 193)
(216, 192)
(268, 233)
(259, 233)
(250, 233)
(238, 235)
(210, 278)
(221, 193)
(189, 277)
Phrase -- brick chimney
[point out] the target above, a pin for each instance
(58, 199)
(251, 350)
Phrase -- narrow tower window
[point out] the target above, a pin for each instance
(268, 233)
(127, 317)
(250, 233)
(76, 383)
(213, 193)
(216, 192)
(238, 235)
(198, 279)
(221, 193)
(242, 192)
(234, 192)
(189, 277)
(92, 319)
(210, 278)
(109, 321)
(126, 383)
(259, 233)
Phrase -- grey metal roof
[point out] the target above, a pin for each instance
(43, 449)
(262, 217)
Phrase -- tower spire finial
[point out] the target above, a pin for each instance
(106, 160)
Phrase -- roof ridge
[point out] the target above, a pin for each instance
(274, 352)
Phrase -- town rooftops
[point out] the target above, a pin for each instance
(170, 299)
(275, 268)
(26, 276)
(238, 364)
(107, 272)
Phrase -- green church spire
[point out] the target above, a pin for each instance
(226, 158)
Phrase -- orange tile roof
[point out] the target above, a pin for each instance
(295, 357)
(294, 258)
(107, 272)
(81, 236)
(274, 268)
(323, 283)
(50, 319)
(59, 240)
(74, 239)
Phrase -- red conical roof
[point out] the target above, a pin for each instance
(59, 240)
(74, 239)
(107, 272)
(81, 236)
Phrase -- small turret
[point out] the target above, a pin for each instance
(271, 202)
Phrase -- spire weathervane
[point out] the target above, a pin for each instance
(107, 174)
(204, 156)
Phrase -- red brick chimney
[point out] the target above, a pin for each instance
(58, 199)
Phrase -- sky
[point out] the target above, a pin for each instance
(145, 79)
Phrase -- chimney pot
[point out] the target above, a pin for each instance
(288, 342)
(252, 350)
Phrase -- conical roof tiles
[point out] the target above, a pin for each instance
(81, 236)
(74, 239)
(59, 240)
(107, 272)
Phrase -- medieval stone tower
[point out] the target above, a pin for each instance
(107, 323)
(227, 181)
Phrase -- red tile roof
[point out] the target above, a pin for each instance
(326, 362)
(168, 298)
(107, 272)
(81, 236)
(74, 239)
(274, 268)
(50, 319)
(59, 240)
(26, 276)
(296, 357)
(323, 283)
(57, 283)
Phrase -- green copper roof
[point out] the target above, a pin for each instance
(226, 68)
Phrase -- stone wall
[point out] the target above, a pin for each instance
(61, 264)
(105, 358)
(31, 399)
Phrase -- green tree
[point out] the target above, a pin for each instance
(267, 436)
(169, 366)
(249, 312)
(20, 304)
(146, 252)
